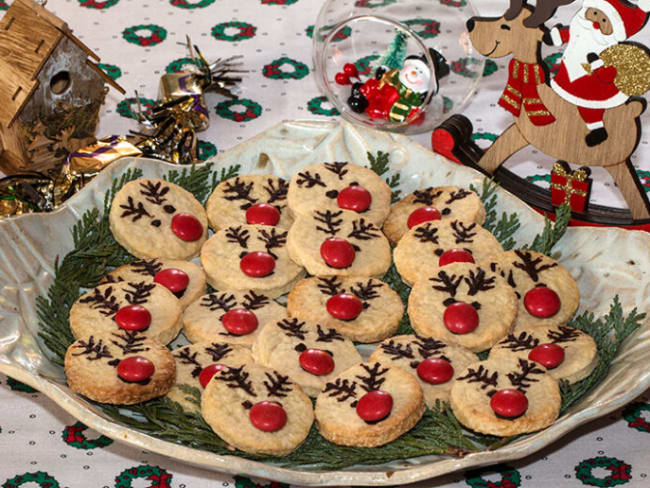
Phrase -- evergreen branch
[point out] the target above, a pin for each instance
(553, 231)
(505, 226)
(224, 174)
(380, 165)
(196, 181)
(394, 280)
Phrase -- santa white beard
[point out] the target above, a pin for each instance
(583, 39)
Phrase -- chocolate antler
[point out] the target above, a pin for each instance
(425, 233)
(253, 301)
(329, 218)
(426, 196)
(329, 286)
(277, 385)
(478, 282)
(153, 192)
(306, 177)
(239, 190)
(238, 235)
(462, 232)
(139, 292)
(104, 302)
(95, 350)
(531, 266)
(374, 379)
(219, 302)
(363, 231)
(273, 239)
(341, 389)
(337, 169)
(279, 193)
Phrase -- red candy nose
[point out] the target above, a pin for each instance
(460, 318)
(421, 215)
(455, 256)
(548, 355)
(596, 25)
(135, 369)
(375, 406)
(208, 372)
(187, 227)
(344, 306)
(262, 214)
(316, 362)
(337, 252)
(239, 321)
(268, 416)
(175, 280)
(435, 371)
(133, 317)
(509, 403)
(257, 264)
(355, 198)
(542, 302)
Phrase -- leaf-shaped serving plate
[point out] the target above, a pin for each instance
(604, 262)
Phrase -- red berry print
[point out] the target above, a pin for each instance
(341, 79)
(257, 264)
(133, 317)
(435, 371)
(268, 416)
(239, 321)
(208, 372)
(548, 355)
(262, 214)
(421, 215)
(187, 227)
(355, 198)
(174, 279)
(344, 306)
(135, 369)
(460, 318)
(351, 70)
(509, 403)
(375, 406)
(455, 256)
(316, 362)
(337, 252)
(542, 302)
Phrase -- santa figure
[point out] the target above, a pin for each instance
(583, 79)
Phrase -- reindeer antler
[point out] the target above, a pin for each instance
(541, 13)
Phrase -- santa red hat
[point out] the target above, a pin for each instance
(627, 18)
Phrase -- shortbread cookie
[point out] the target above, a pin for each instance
(435, 364)
(427, 247)
(310, 353)
(231, 316)
(568, 354)
(196, 362)
(250, 257)
(249, 199)
(340, 186)
(361, 309)
(257, 410)
(186, 280)
(465, 304)
(338, 243)
(153, 218)
(122, 368)
(369, 405)
(141, 306)
(547, 293)
(433, 203)
(504, 397)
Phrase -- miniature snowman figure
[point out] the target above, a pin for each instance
(412, 84)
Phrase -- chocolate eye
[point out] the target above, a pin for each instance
(438, 252)
(505, 27)
(300, 347)
(155, 223)
(332, 194)
(242, 254)
(446, 211)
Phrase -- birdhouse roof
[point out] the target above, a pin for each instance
(28, 36)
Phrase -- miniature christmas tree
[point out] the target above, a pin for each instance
(395, 53)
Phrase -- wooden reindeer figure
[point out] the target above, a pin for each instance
(545, 120)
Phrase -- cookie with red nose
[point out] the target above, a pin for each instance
(249, 199)
(431, 204)
(153, 218)
(250, 257)
(339, 186)
(122, 368)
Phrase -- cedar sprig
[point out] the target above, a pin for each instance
(380, 165)
(394, 280)
(505, 226)
(224, 174)
(553, 231)
(196, 180)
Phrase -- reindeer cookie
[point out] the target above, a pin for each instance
(369, 405)
(196, 363)
(340, 186)
(547, 293)
(505, 396)
(433, 203)
(428, 246)
(249, 199)
(153, 218)
(465, 304)
(567, 353)
(338, 242)
(184, 279)
(231, 316)
(310, 353)
(434, 363)
(250, 257)
(140, 306)
(121, 368)
(361, 309)
(257, 410)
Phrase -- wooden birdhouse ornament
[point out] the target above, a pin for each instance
(51, 89)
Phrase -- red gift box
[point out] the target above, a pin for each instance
(571, 186)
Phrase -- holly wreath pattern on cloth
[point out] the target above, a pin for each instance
(73, 435)
(510, 477)
(637, 415)
(222, 32)
(191, 4)
(252, 110)
(128, 107)
(41, 478)
(620, 471)
(285, 68)
(97, 4)
(319, 106)
(157, 34)
(159, 477)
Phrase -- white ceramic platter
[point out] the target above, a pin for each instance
(605, 262)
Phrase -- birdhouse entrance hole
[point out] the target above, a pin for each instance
(60, 82)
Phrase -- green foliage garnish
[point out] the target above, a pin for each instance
(553, 231)
(505, 226)
(224, 174)
(196, 181)
(380, 164)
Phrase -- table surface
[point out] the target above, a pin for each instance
(40, 443)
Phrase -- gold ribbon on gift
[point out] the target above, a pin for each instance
(577, 175)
